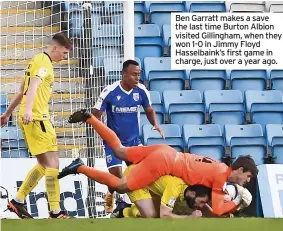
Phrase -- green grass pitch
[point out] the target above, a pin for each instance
(237, 224)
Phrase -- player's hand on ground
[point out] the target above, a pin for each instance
(157, 128)
(27, 118)
(228, 215)
(4, 120)
(196, 214)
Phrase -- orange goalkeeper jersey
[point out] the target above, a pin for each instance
(195, 169)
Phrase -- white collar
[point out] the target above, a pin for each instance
(122, 89)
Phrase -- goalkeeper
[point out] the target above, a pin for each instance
(167, 194)
(34, 121)
(154, 161)
(158, 199)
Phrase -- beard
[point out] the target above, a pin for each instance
(190, 202)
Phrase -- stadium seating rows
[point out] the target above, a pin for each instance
(208, 140)
(201, 111)
(187, 110)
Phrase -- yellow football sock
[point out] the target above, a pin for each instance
(134, 211)
(31, 180)
(52, 188)
(127, 212)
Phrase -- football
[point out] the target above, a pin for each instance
(231, 190)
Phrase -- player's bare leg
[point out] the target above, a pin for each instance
(146, 208)
(130, 154)
(109, 196)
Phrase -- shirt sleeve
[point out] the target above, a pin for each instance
(103, 99)
(171, 193)
(219, 206)
(38, 68)
(146, 101)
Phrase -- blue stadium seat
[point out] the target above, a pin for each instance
(107, 42)
(13, 144)
(76, 23)
(113, 6)
(160, 77)
(265, 106)
(274, 133)
(113, 68)
(139, 12)
(148, 41)
(114, 10)
(246, 140)
(117, 19)
(204, 140)
(203, 80)
(246, 6)
(274, 7)
(160, 12)
(248, 80)
(172, 132)
(72, 6)
(225, 107)
(107, 35)
(76, 18)
(276, 79)
(184, 107)
(142, 71)
(14, 153)
(158, 108)
(4, 103)
(207, 6)
(166, 29)
(100, 53)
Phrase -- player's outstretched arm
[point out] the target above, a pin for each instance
(151, 116)
(166, 212)
(14, 103)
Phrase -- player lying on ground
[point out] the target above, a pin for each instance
(158, 199)
(38, 132)
(152, 162)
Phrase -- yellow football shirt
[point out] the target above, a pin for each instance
(170, 189)
(39, 67)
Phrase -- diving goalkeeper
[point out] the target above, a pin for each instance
(152, 162)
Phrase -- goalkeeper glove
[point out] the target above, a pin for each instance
(244, 197)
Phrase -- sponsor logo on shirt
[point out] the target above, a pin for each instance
(118, 97)
(109, 159)
(124, 109)
(171, 202)
(136, 96)
(42, 72)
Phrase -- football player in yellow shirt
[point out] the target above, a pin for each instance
(158, 199)
(34, 121)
